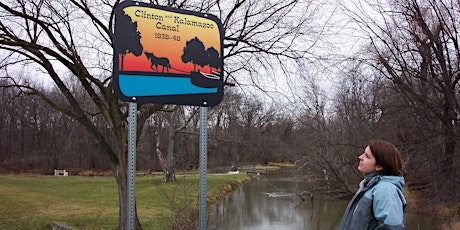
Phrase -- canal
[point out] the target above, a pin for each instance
(272, 201)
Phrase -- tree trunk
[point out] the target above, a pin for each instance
(168, 170)
(167, 165)
(170, 156)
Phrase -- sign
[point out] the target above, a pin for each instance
(167, 56)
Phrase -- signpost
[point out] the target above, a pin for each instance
(132, 122)
(165, 55)
(203, 166)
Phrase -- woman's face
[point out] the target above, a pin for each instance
(367, 162)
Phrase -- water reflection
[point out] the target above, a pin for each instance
(272, 202)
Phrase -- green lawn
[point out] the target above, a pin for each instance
(31, 202)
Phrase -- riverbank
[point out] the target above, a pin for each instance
(253, 205)
(448, 215)
(32, 202)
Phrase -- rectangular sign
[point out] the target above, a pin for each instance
(167, 56)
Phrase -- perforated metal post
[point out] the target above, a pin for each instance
(132, 123)
(203, 165)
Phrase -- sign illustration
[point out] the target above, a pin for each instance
(167, 56)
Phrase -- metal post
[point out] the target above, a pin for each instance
(132, 123)
(203, 166)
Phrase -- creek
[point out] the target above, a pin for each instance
(275, 201)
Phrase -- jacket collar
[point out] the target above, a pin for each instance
(370, 179)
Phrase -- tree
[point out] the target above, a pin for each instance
(414, 46)
(43, 41)
(176, 120)
(131, 42)
(194, 52)
(213, 58)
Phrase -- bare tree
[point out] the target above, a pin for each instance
(176, 119)
(43, 42)
(414, 45)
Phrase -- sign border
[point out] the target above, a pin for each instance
(203, 99)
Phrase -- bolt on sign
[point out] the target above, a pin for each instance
(165, 55)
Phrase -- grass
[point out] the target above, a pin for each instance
(31, 202)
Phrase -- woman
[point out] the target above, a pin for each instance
(379, 202)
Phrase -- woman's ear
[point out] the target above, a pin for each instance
(378, 168)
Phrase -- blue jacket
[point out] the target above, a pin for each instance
(378, 204)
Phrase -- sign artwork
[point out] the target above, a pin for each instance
(167, 56)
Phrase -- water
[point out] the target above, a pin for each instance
(140, 86)
(272, 202)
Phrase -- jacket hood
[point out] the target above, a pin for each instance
(398, 181)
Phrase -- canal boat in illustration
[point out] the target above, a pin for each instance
(206, 80)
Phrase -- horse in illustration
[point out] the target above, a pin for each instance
(158, 61)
